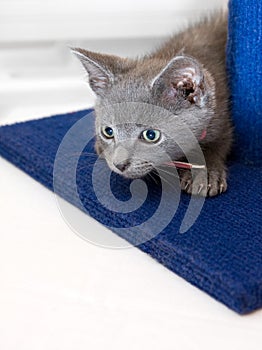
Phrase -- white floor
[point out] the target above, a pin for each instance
(59, 292)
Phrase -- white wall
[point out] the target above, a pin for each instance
(39, 76)
(31, 20)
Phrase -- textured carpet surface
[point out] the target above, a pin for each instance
(244, 61)
(220, 254)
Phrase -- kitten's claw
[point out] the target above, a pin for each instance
(221, 188)
(187, 185)
(200, 188)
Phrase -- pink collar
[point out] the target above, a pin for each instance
(203, 135)
(184, 165)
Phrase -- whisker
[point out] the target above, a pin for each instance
(81, 154)
(168, 182)
(87, 165)
(165, 180)
(167, 172)
(152, 177)
(84, 167)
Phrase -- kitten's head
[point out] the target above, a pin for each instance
(144, 109)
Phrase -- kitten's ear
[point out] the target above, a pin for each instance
(100, 77)
(102, 69)
(182, 78)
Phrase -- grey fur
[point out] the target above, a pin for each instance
(181, 84)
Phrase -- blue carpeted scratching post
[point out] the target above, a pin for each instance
(222, 252)
(244, 61)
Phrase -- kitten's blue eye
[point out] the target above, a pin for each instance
(151, 135)
(108, 132)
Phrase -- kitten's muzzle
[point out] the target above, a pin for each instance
(122, 166)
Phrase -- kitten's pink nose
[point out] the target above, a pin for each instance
(122, 166)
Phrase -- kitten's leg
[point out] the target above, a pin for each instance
(216, 182)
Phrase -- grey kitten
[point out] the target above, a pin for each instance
(143, 105)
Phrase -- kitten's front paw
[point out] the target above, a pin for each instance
(214, 184)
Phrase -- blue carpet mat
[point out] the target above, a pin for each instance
(221, 253)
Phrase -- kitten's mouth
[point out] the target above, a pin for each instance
(135, 172)
(141, 171)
